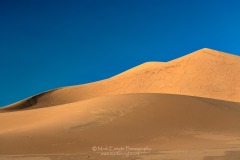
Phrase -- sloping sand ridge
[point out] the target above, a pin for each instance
(204, 73)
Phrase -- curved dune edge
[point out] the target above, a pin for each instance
(28, 103)
(204, 73)
(31, 103)
(160, 121)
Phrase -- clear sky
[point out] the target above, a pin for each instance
(46, 44)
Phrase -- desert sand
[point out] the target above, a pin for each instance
(188, 108)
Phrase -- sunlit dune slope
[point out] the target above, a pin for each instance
(204, 73)
(160, 121)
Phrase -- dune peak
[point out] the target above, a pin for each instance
(209, 51)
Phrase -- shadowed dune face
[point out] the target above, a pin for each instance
(163, 122)
(204, 73)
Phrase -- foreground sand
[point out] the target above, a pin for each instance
(167, 124)
(204, 154)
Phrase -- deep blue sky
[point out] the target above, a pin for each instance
(46, 44)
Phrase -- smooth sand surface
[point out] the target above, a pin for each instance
(188, 108)
(158, 121)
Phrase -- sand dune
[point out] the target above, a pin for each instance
(204, 73)
(188, 107)
(160, 121)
